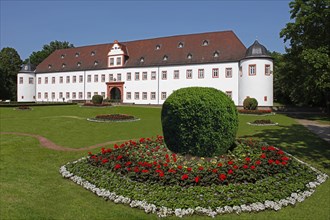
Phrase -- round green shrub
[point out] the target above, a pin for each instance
(250, 103)
(97, 99)
(199, 121)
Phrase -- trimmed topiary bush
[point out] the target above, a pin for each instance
(97, 99)
(250, 103)
(199, 121)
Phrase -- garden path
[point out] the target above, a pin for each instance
(44, 142)
(322, 130)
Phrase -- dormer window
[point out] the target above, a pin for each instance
(180, 45)
(96, 63)
(78, 64)
(112, 61)
(118, 61)
(141, 59)
(62, 56)
(165, 58)
(216, 54)
(157, 47)
(77, 54)
(63, 65)
(93, 53)
(49, 66)
(189, 56)
(205, 43)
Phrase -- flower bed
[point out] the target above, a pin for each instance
(145, 174)
(97, 105)
(263, 122)
(256, 112)
(23, 107)
(113, 118)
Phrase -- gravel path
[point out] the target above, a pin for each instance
(322, 130)
(44, 142)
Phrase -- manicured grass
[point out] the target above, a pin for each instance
(68, 126)
(32, 188)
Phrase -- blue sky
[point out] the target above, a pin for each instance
(28, 25)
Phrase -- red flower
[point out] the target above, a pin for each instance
(280, 152)
(258, 162)
(270, 161)
(277, 162)
(165, 164)
(136, 169)
(285, 158)
(154, 163)
(247, 159)
(201, 168)
(219, 164)
(230, 171)
(119, 157)
(271, 148)
(116, 146)
(167, 160)
(245, 166)
(105, 161)
(117, 166)
(263, 148)
(214, 171)
(263, 156)
(235, 167)
(252, 167)
(174, 159)
(189, 169)
(142, 140)
(196, 179)
(222, 177)
(161, 174)
(184, 177)
(180, 167)
(145, 171)
(283, 162)
(230, 162)
(172, 171)
(167, 156)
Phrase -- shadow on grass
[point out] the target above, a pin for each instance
(310, 116)
(298, 141)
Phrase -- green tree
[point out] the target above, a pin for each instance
(280, 87)
(10, 65)
(37, 57)
(306, 75)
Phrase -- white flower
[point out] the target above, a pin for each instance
(165, 211)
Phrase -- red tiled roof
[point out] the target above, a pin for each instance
(226, 43)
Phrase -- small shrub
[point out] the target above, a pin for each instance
(263, 122)
(115, 117)
(257, 112)
(97, 99)
(250, 103)
(199, 121)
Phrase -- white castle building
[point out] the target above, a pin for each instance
(148, 71)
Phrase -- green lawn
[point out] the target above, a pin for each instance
(32, 188)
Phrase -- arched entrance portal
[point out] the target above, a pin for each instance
(115, 94)
(115, 91)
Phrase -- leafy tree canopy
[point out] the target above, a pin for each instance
(305, 78)
(37, 57)
(10, 65)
